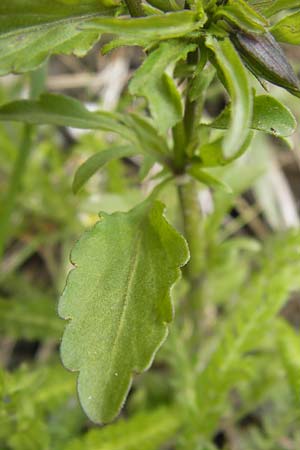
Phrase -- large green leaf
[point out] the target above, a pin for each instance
(151, 82)
(95, 162)
(118, 302)
(288, 29)
(237, 83)
(269, 115)
(31, 30)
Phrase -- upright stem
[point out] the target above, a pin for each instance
(135, 8)
(184, 143)
(193, 228)
(36, 86)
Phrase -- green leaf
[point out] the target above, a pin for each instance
(32, 30)
(95, 162)
(241, 97)
(159, 89)
(60, 110)
(276, 6)
(152, 28)
(197, 172)
(242, 15)
(287, 30)
(289, 350)
(269, 115)
(147, 430)
(147, 137)
(118, 302)
(211, 154)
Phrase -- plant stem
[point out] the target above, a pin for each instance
(135, 8)
(36, 85)
(193, 229)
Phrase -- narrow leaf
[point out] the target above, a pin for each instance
(197, 172)
(238, 86)
(241, 14)
(60, 110)
(152, 28)
(95, 162)
(118, 302)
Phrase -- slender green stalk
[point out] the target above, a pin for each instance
(135, 8)
(36, 86)
(193, 229)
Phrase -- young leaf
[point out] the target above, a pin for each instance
(287, 30)
(118, 302)
(211, 154)
(151, 82)
(197, 172)
(53, 109)
(95, 162)
(238, 86)
(269, 115)
(242, 15)
(152, 28)
(30, 33)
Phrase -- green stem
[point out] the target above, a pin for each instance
(135, 8)
(193, 229)
(36, 85)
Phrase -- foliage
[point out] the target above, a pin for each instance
(219, 350)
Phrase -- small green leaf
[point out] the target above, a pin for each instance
(95, 162)
(152, 28)
(287, 30)
(151, 82)
(238, 86)
(197, 172)
(211, 154)
(269, 115)
(31, 31)
(242, 15)
(118, 304)
(148, 140)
